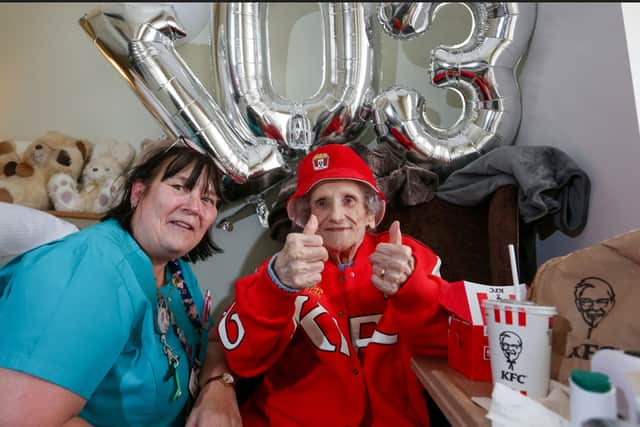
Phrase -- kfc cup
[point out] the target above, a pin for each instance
(520, 344)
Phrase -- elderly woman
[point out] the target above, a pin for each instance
(107, 326)
(333, 319)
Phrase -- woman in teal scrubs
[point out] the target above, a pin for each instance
(108, 326)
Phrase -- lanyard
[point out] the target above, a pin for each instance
(164, 317)
(192, 314)
(137, 261)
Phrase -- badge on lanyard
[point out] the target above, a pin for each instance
(163, 319)
(194, 387)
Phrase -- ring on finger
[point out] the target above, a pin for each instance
(382, 271)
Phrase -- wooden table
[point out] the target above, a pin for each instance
(452, 391)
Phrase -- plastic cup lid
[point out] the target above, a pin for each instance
(595, 382)
(529, 306)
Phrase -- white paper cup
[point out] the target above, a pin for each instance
(585, 404)
(520, 344)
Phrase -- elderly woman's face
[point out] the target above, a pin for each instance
(170, 220)
(342, 215)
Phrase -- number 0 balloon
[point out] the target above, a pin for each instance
(340, 108)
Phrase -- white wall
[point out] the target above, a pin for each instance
(631, 15)
(577, 95)
(52, 77)
(576, 85)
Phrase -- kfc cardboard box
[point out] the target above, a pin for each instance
(468, 346)
(468, 349)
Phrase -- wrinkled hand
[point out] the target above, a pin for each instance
(300, 263)
(391, 263)
(216, 406)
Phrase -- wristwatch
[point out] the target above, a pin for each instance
(225, 378)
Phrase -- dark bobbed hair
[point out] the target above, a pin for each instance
(169, 161)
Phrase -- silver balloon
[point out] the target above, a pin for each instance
(336, 113)
(404, 20)
(138, 40)
(482, 71)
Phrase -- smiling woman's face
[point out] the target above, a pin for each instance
(342, 216)
(169, 219)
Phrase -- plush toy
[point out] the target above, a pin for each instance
(100, 185)
(25, 182)
(7, 154)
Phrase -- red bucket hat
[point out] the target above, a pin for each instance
(333, 161)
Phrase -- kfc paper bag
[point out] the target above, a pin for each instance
(597, 293)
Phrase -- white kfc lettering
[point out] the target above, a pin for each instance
(222, 330)
(436, 269)
(355, 326)
(384, 339)
(313, 329)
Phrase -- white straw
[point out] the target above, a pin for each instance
(514, 271)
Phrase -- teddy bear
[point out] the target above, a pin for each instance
(24, 181)
(7, 154)
(100, 186)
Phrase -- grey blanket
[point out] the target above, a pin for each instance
(549, 181)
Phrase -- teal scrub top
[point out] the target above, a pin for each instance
(78, 312)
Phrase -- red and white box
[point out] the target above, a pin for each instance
(468, 349)
(468, 345)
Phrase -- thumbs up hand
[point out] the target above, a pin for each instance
(300, 263)
(395, 236)
(391, 263)
(311, 226)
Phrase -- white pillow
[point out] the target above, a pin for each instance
(23, 228)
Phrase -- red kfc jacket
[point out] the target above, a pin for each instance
(337, 354)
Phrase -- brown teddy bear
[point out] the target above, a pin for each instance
(7, 154)
(25, 182)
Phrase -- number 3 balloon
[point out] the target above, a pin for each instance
(481, 70)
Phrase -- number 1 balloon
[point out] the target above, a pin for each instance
(481, 70)
(138, 40)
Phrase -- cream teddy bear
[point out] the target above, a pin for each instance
(101, 183)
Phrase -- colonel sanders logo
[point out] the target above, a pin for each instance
(320, 161)
(511, 346)
(594, 299)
